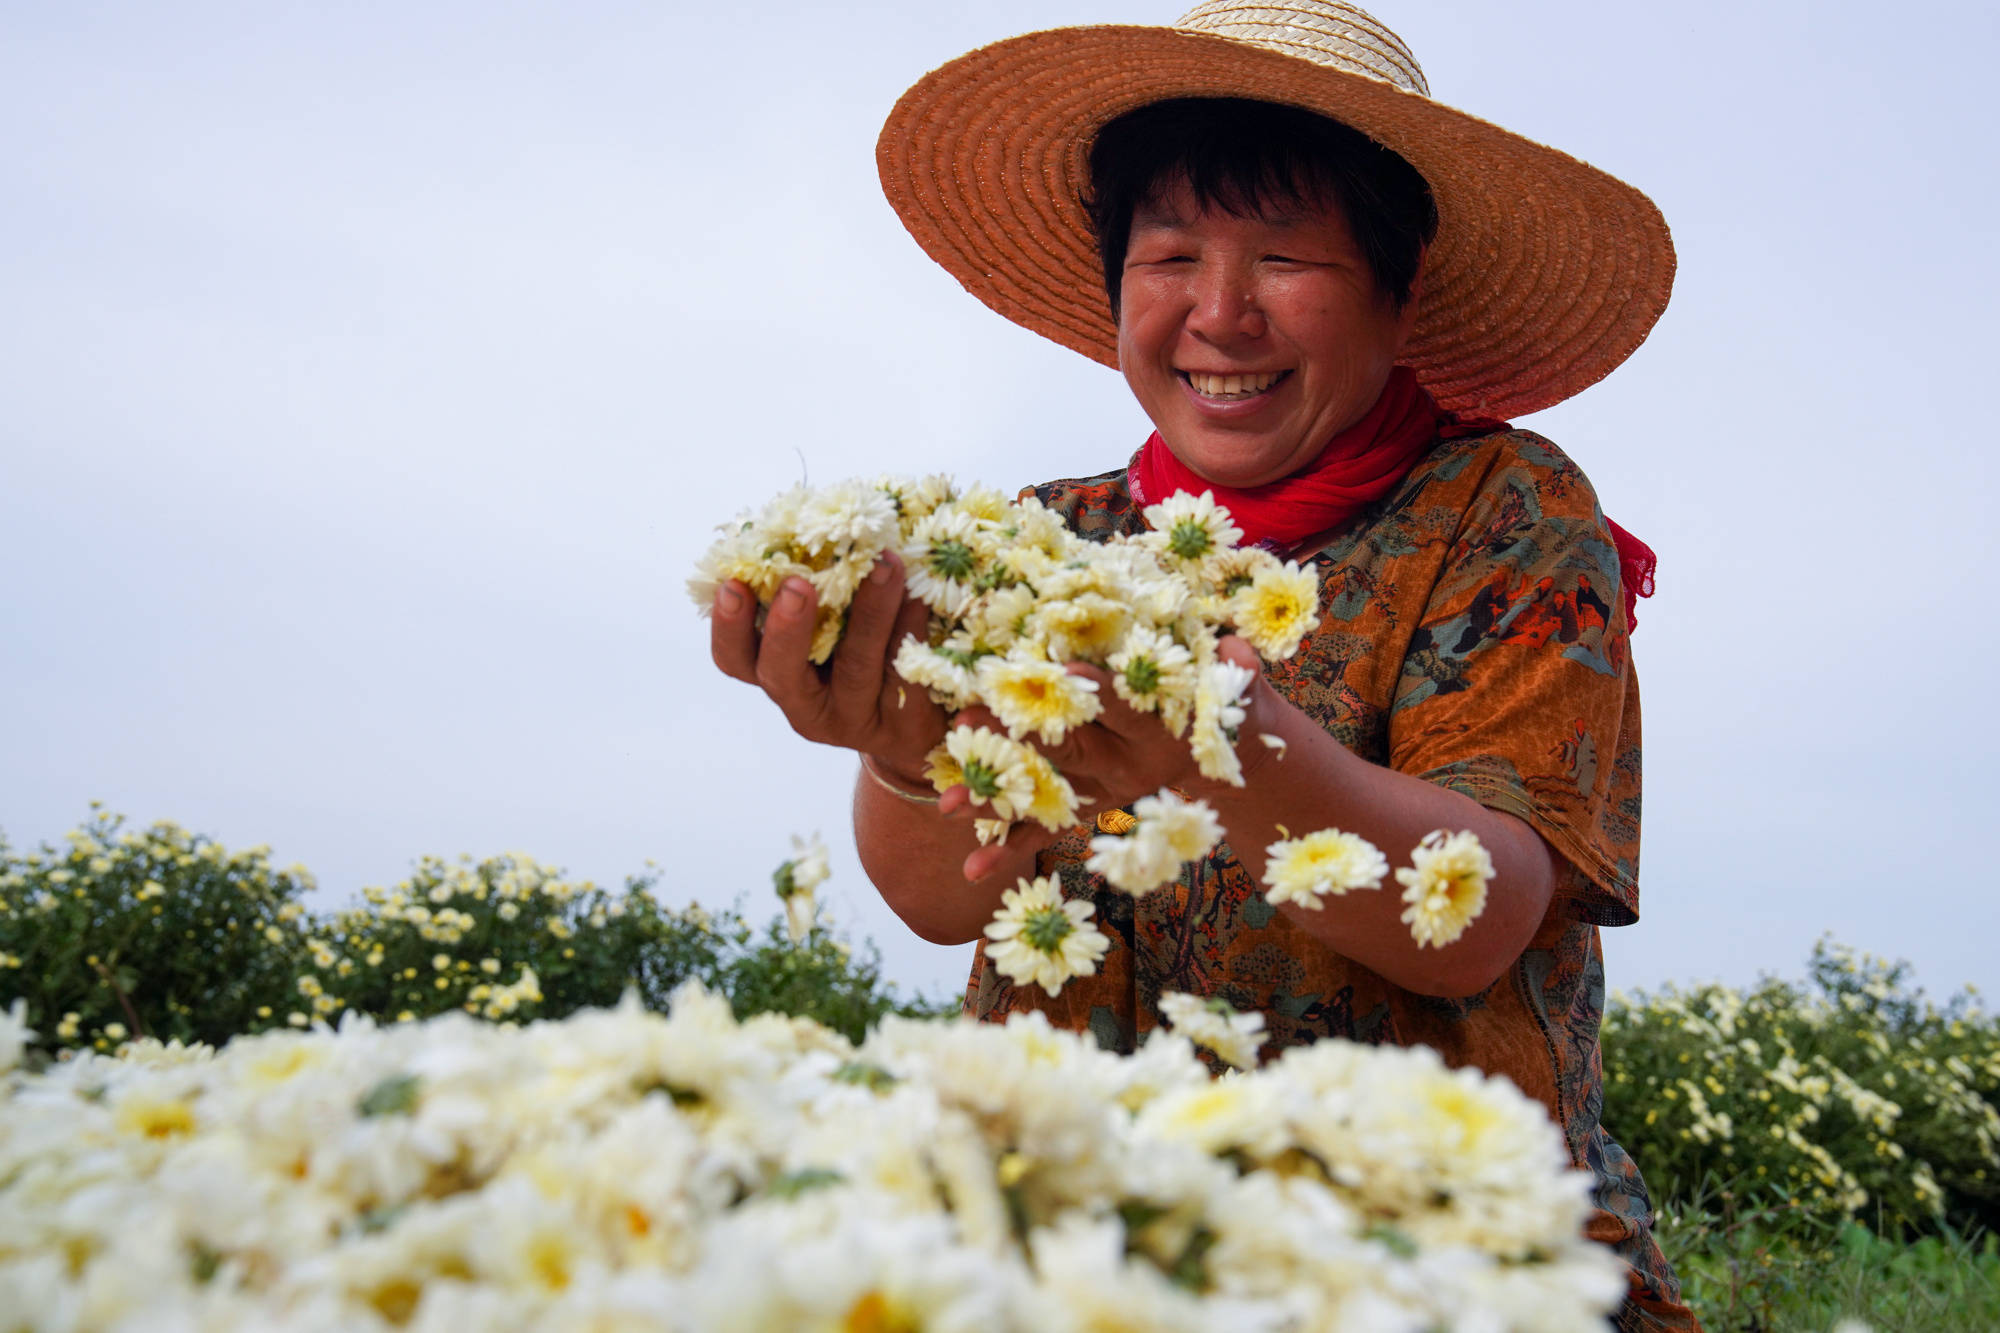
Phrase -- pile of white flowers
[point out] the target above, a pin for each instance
(1015, 597)
(622, 1170)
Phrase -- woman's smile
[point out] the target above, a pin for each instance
(1218, 388)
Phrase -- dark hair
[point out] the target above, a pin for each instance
(1239, 155)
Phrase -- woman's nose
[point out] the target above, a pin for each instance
(1224, 307)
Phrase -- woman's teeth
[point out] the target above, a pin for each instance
(1231, 387)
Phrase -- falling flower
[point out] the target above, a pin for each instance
(1302, 870)
(15, 1034)
(1168, 832)
(1212, 1024)
(1445, 886)
(795, 881)
(1040, 938)
(1218, 712)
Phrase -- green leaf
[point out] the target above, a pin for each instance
(792, 1184)
(396, 1095)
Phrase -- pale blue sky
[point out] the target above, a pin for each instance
(371, 375)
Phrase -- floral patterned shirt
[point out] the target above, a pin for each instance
(1472, 633)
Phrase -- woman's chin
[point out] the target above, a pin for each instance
(1234, 471)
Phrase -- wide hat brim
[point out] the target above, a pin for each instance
(1546, 272)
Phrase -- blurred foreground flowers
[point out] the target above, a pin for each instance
(624, 1170)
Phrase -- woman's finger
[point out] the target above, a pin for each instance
(1023, 841)
(732, 632)
(863, 655)
(979, 716)
(1114, 714)
(784, 666)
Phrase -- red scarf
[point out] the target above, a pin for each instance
(1358, 467)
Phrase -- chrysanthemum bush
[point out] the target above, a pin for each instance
(623, 1170)
(122, 933)
(1847, 1096)
(1015, 600)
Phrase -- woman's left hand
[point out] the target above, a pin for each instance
(1126, 754)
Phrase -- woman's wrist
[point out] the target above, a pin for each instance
(896, 782)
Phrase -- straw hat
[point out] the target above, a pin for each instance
(1545, 275)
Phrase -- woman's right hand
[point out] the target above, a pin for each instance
(857, 701)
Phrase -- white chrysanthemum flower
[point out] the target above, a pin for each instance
(1036, 697)
(15, 1034)
(1189, 829)
(995, 770)
(1089, 1283)
(1169, 832)
(945, 669)
(915, 497)
(1084, 628)
(1278, 608)
(1211, 1023)
(1000, 618)
(1302, 870)
(1033, 525)
(1040, 938)
(1235, 1113)
(1445, 886)
(992, 832)
(849, 515)
(837, 578)
(1053, 803)
(1150, 668)
(795, 881)
(749, 556)
(1132, 863)
(1188, 530)
(1232, 571)
(983, 502)
(946, 553)
(828, 625)
(1218, 712)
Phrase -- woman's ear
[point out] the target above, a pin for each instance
(1407, 320)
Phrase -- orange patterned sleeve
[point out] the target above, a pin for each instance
(1517, 686)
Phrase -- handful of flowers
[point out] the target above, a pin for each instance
(1014, 598)
(623, 1170)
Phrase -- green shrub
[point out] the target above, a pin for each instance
(508, 938)
(167, 934)
(1845, 1096)
(160, 933)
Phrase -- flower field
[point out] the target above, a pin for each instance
(495, 1097)
(620, 1169)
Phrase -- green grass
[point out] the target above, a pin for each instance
(1760, 1273)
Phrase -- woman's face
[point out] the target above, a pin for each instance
(1252, 341)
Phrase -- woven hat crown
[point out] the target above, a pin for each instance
(1326, 32)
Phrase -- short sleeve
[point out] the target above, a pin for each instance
(1517, 688)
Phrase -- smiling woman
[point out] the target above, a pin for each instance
(1321, 286)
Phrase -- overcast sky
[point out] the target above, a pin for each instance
(371, 375)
